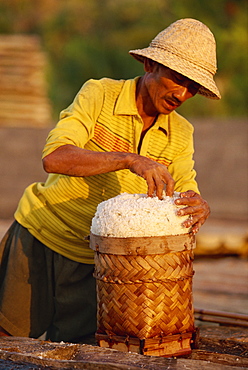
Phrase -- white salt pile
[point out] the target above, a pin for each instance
(137, 215)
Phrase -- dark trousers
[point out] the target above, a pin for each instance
(42, 291)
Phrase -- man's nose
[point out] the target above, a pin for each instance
(182, 93)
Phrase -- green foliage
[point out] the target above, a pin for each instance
(91, 38)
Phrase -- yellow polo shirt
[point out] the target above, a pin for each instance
(103, 117)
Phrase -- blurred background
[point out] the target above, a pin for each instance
(49, 48)
(90, 38)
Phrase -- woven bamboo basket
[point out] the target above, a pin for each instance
(144, 286)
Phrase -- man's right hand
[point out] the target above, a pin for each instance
(155, 174)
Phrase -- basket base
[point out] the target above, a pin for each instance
(168, 346)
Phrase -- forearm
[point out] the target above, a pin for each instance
(73, 161)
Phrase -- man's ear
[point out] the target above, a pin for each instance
(149, 65)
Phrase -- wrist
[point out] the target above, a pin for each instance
(129, 159)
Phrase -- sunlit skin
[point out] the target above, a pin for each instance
(160, 91)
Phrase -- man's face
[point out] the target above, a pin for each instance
(166, 88)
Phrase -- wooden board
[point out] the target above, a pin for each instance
(221, 284)
(216, 351)
(24, 98)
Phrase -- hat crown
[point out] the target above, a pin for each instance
(190, 40)
(188, 47)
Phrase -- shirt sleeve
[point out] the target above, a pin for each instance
(77, 122)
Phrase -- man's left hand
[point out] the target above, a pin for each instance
(196, 207)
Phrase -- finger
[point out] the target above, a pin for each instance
(159, 188)
(188, 194)
(168, 184)
(151, 186)
(170, 187)
(191, 220)
(191, 201)
(189, 210)
(195, 228)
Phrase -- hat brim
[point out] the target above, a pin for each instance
(186, 68)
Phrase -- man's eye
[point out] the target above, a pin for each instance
(194, 87)
(180, 78)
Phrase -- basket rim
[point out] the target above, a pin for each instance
(142, 245)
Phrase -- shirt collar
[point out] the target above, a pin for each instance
(126, 104)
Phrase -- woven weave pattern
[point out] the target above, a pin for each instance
(145, 296)
(188, 47)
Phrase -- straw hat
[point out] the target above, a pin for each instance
(188, 47)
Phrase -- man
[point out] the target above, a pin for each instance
(117, 136)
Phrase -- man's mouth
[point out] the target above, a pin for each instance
(171, 104)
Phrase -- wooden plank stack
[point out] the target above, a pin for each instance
(23, 91)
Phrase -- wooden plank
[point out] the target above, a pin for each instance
(23, 88)
(225, 339)
(217, 358)
(80, 356)
(229, 315)
(221, 284)
(223, 345)
(19, 42)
